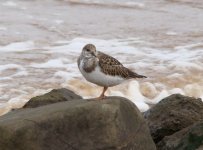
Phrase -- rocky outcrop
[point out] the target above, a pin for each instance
(111, 124)
(63, 120)
(190, 138)
(56, 95)
(172, 114)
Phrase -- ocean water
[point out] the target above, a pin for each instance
(39, 47)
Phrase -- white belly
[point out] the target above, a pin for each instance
(100, 78)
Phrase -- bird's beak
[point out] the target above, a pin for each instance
(94, 54)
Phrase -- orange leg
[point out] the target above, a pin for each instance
(102, 96)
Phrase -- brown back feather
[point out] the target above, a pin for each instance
(112, 66)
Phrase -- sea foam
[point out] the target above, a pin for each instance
(169, 71)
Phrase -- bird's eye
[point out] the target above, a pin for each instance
(87, 50)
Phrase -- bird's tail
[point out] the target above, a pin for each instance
(135, 75)
(140, 76)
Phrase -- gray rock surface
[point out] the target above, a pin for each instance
(114, 123)
(190, 138)
(54, 96)
(172, 114)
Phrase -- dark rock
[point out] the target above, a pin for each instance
(111, 124)
(190, 138)
(56, 95)
(173, 114)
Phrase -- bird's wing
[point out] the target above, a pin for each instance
(105, 59)
(113, 67)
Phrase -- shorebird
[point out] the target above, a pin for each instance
(102, 69)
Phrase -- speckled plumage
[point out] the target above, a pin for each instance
(102, 69)
(113, 67)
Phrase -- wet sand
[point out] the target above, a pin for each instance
(157, 21)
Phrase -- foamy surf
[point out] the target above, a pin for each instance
(28, 71)
(18, 47)
(10, 4)
(112, 3)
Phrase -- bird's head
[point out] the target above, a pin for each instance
(89, 50)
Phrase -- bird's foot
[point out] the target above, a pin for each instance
(102, 96)
(98, 98)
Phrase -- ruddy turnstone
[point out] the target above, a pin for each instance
(102, 69)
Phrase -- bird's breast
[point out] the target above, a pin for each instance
(98, 77)
(88, 65)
